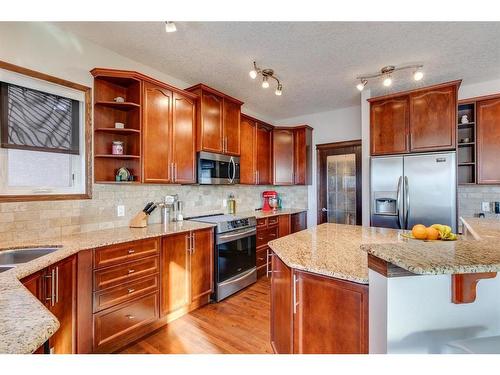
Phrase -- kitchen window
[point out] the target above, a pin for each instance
(45, 137)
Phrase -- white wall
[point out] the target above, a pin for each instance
(479, 89)
(342, 124)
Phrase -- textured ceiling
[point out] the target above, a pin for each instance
(317, 61)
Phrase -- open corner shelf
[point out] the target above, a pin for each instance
(466, 147)
(107, 86)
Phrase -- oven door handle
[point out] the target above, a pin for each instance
(223, 238)
(240, 277)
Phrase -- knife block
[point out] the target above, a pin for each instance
(139, 221)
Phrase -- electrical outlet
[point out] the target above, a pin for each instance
(224, 203)
(120, 210)
(485, 206)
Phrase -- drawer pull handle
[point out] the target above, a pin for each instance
(131, 271)
(131, 251)
(260, 238)
(272, 235)
(261, 258)
(130, 317)
(131, 290)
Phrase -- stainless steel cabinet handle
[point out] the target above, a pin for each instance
(131, 271)
(268, 268)
(131, 251)
(193, 243)
(175, 172)
(130, 317)
(57, 285)
(51, 296)
(131, 290)
(188, 242)
(295, 303)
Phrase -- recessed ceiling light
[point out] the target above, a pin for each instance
(170, 27)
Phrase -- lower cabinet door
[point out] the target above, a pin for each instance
(64, 306)
(174, 271)
(202, 264)
(281, 307)
(331, 315)
(112, 324)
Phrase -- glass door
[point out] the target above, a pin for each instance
(341, 189)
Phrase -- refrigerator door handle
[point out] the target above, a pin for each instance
(398, 201)
(407, 197)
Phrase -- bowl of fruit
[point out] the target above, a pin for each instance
(436, 232)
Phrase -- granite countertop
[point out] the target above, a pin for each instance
(479, 252)
(333, 249)
(262, 214)
(25, 323)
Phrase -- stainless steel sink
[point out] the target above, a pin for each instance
(14, 257)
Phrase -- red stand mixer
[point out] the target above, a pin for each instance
(270, 200)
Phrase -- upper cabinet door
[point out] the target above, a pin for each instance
(433, 117)
(263, 154)
(183, 139)
(231, 126)
(283, 150)
(488, 141)
(248, 167)
(156, 134)
(211, 132)
(389, 126)
(302, 143)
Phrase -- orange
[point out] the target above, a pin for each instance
(432, 233)
(419, 231)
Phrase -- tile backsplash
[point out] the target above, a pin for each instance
(470, 198)
(31, 220)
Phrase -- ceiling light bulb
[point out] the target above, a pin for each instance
(170, 27)
(265, 83)
(279, 89)
(418, 75)
(360, 86)
(387, 81)
(253, 74)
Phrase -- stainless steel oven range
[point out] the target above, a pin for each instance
(235, 252)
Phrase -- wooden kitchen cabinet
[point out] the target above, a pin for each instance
(284, 225)
(488, 140)
(281, 307)
(330, 315)
(218, 121)
(168, 136)
(433, 116)
(156, 134)
(184, 139)
(414, 121)
(389, 126)
(201, 264)
(283, 156)
(302, 155)
(255, 158)
(55, 287)
(186, 272)
(298, 222)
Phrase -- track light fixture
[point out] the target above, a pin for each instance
(386, 73)
(266, 74)
(170, 27)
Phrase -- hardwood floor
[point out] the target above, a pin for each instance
(239, 324)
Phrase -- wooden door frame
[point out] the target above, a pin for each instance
(330, 149)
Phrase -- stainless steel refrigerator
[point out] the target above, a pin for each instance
(414, 189)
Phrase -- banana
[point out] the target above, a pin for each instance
(445, 232)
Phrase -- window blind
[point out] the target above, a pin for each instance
(37, 120)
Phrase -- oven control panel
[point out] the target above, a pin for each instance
(237, 224)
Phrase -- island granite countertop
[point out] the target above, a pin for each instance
(25, 323)
(333, 249)
(479, 252)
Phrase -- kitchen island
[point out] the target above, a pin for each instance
(424, 296)
(347, 289)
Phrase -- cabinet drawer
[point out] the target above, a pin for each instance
(266, 235)
(125, 292)
(272, 221)
(261, 257)
(262, 223)
(125, 252)
(116, 275)
(113, 323)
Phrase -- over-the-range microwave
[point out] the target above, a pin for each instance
(218, 169)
